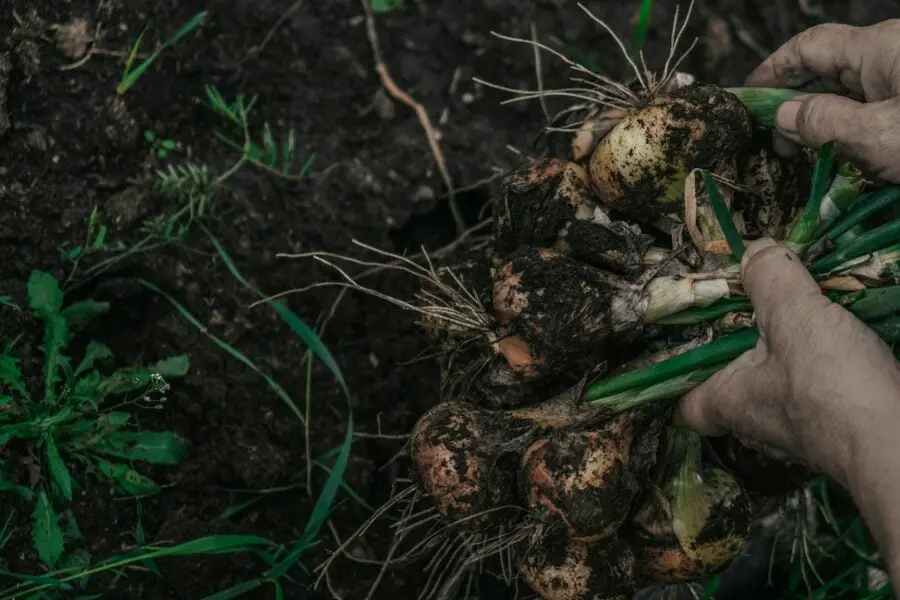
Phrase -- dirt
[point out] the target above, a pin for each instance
(69, 143)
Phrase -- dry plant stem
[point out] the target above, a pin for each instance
(424, 120)
(257, 50)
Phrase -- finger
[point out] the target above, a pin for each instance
(825, 50)
(726, 402)
(865, 133)
(784, 146)
(778, 286)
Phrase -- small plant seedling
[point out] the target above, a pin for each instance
(160, 146)
(133, 73)
(275, 157)
(81, 416)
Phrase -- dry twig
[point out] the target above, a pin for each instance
(424, 120)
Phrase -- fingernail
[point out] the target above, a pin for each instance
(754, 248)
(786, 117)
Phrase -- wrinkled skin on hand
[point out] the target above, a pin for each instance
(820, 389)
(853, 76)
(815, 369)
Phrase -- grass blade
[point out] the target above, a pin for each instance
(300, 328)
(321, 508)
(236, 590)
(231, 350)
(640, 28)
(723, 215)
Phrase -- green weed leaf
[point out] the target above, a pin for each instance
(59, 473)
(45, 297)
(128, 480)
(79, 314)
(71, 531)
(11, 373)
(93, 354)
(78, 559)
(174, 366)
(156, 447)
(45, 531)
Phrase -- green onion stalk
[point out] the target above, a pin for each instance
(678, 375)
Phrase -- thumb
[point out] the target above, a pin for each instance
(816, 119)
(865, 133)
(733, 400)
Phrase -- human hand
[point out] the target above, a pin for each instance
(819, 386)
(853, 76)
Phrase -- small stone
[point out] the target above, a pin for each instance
(383, 105)
(73, 38)
(424, 194)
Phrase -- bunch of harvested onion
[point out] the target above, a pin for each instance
(566, 341)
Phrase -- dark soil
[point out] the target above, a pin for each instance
(69, 144)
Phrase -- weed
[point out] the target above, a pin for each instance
(133, 73)
(273, 156)
(161, 147)
(53, 584)
(81, 415)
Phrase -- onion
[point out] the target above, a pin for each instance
(559, 568)
(462, 462)
(583, 477)
(560, 311)
(721, 537)
(564, 315)
(549, 203)
(640, 166)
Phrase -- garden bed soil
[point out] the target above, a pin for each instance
(69, 144)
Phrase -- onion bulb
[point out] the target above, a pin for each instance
(559, 568)
(722, 534)
(462, 463)
(549, 203)
(640, 167)
(561, 314)
(583, 477)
